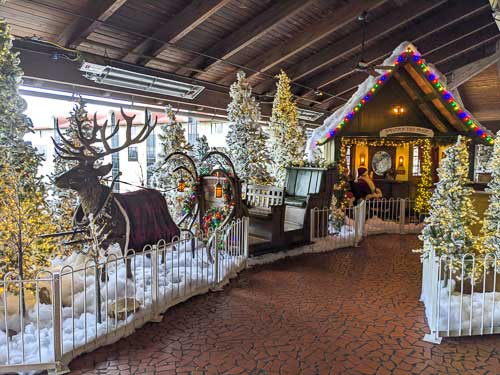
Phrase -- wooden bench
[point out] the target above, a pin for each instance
(266, 211)
(260, 199)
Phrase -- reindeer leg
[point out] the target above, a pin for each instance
(129, 269)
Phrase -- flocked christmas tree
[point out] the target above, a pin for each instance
(200, 148)
(24, 214)
(172, 139)
(448, 227)
(245, 140)
(490, 231)
(64, 201)
(198, 152)
(287, 139)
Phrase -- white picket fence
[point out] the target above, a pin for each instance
(392, 216)
(51, 333)
(338, 233)
(61, 319)
(461, 295)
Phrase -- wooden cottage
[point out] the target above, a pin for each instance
(398, 124)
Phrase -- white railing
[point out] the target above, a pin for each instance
(461, 295)
(264, 196)
(392, 216)
(63, 317)
(339, 230)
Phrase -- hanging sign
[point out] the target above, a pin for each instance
(407, 129)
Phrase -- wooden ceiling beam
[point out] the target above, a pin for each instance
(340, 17)
(416, 96)
(247, 34)
(431, 39)
(346, 46)
(97, 12)
(461, 75)
(174, 29)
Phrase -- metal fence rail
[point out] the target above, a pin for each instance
(461, 295)
(339, 229)
(392, 216)
(63, 317)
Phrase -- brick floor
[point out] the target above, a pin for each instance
(352, 311)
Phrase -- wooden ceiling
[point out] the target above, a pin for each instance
(317, 42)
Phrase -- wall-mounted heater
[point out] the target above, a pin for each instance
(109, 75)
(308, 115)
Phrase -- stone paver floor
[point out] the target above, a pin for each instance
(348, 312)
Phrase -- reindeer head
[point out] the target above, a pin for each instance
(86, 149)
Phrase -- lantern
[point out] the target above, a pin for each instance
(398, 110)
(401, 168)
(181, 185)
(218, 190)
(362, 160)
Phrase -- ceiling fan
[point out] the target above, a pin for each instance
(362, 65)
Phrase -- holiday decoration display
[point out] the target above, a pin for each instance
(24, 214)
(448, 228)
(409, 54)
(246, 140)
(490, 231)
(287, 139)
(133, 219)
(424, 188)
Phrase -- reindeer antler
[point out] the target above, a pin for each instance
(85, 151)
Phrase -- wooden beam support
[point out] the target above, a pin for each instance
(342, 16)
(427, 88)
(278, 13)
(431, 42)
(174, 29)
(98, 11)
(38, 66)
(415, 95)
(465, 73)
(346, 46)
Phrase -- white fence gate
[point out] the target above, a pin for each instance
(61, 319)
(461, 295)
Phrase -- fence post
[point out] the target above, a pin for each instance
(402, 215)
(312, 223)
(60, 366)
(155, 291)
(356, 224)
(245, 238)
(434, 270)
(216, 260)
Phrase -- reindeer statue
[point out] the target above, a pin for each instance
(132, 219)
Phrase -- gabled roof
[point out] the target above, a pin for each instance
(425, 76)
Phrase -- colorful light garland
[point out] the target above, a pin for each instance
(446, 95)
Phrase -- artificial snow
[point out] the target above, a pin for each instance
(376, 225)
(181, 276)
(478, 310)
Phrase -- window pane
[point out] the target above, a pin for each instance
(416, 170)
(132, 153)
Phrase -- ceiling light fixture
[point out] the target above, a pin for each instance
(109, 75)
(308, 115)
